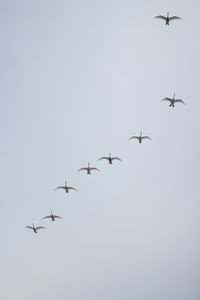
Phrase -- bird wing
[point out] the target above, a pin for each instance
(104, 157)
(82, 169)
(174, 18)
(160, 17)
(29, 227)
(39, 227)
(47, 217)
(116, 158)
(179, 100)
(57, 217)
(146, 137)
(134, 137)
(167, 99)
(60, 187)
(95, 169)
(72, 188)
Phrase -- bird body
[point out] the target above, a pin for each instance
(35, 229)
(109, 158)
(140, 138)
(173, 100)
(52, 217)
(167, 19)
(66, 188)
(88, 169)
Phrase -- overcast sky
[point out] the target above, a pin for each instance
(78, 78)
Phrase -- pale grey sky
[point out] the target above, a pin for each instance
(78, 78)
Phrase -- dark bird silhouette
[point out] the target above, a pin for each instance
(35, 229)
(66, 188)
(109, 158)
(173, 101)
(140, 138)
(88, 169)
(52, 217)
(168, 19)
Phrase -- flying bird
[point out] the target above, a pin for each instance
(110, 158)
(35, 229)
(140, 138)
(168, 19)
(173, 100)
(52, 217)
(66, 188)
(88, 169)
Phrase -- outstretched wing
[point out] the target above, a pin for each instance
(57, 217)
(179, 100)
(72, 188)
(167, 99)
(116, 158)
(134, 137)
(104, 157)
(29, 227)
(82, 169)
(95, 169)
(146, 137)
(47, 217)
(160, 17)
(39, 227)
(174, 18)
(60, 187)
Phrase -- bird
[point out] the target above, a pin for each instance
(140, 138)
(167, 19)
(88, 169)
(173, 100)
(66, 188)
(52, 217)
(35, 229)
(110, 158)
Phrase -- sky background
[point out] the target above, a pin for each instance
(78, 78)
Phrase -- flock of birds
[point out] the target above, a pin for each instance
(109, 158)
